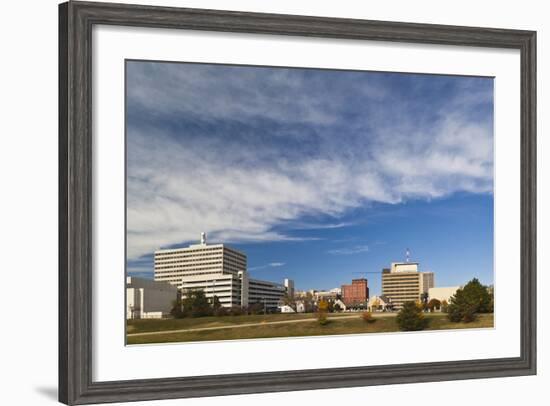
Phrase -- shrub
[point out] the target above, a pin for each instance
(367, 317)
(221, 311)
(410, 318)
(322, 311)
(256, 308)
(236, 311)
(322, 318)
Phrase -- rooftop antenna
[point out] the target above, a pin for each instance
(203, 238)
(408, 255)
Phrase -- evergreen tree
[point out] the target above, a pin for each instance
(467, 302)
(411, 318)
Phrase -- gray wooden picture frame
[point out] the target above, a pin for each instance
(76, 20)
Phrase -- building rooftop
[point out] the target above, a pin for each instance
(201, 245)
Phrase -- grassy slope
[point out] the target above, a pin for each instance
(139, 326)
(343, 326)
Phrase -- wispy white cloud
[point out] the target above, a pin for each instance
(242, 185)
(357, 249)
(321, 226)
(270, 265)
(284, 94)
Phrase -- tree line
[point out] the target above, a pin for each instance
(195, 304)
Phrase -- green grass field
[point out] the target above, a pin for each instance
(342, 323)
(143, 325)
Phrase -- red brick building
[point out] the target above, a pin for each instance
(356, 293)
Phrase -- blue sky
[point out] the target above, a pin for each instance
(316, 174)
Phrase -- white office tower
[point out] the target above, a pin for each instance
(197, 260)
(217, 270)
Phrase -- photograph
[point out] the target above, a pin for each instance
(275, 202)
(283, 202)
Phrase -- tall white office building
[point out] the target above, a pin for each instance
(199, 260)
(219, 271)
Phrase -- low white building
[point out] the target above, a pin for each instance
(300, 308)
(265, 293)
(235, 290)
(442, 293)
(228, 288)
(147, 299)
(340, 304)
(379, 304)
(329, 295)
(286, 309)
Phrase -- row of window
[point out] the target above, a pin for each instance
(182, 268)
(188, 259)
(404, 286)
(180, 276)
(193, 258)
(400, 293)
(403, 297)
(234, 262)
(187, 255)
(266, 292)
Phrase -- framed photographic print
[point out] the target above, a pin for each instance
(258, 202)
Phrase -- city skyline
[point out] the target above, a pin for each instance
(367, 263)
(315, 174)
